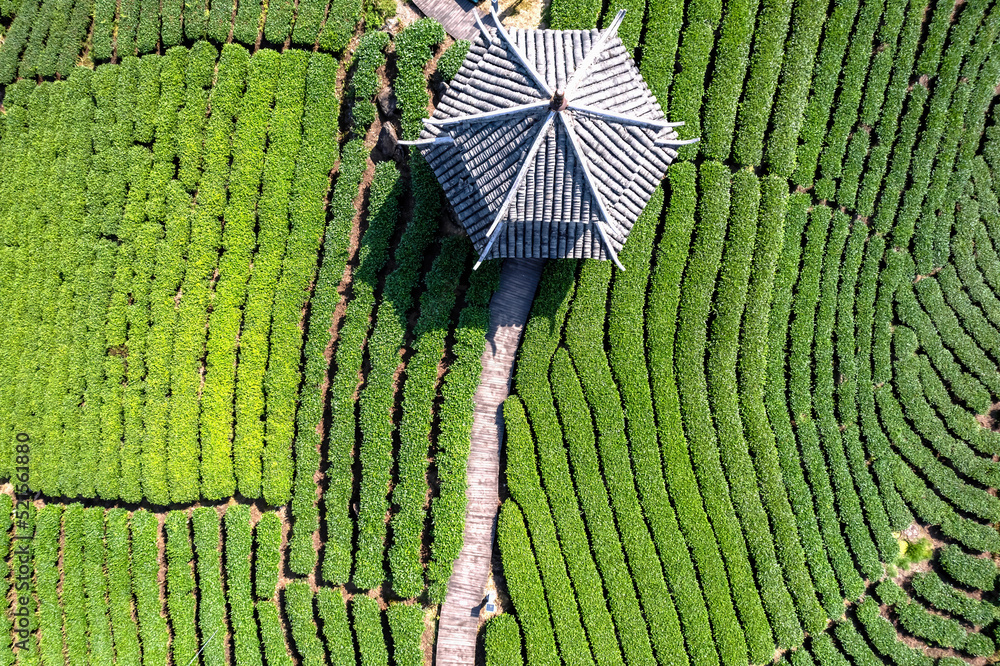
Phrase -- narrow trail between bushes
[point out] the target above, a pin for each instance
(459, 620)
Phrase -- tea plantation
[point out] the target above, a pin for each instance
(241, 336)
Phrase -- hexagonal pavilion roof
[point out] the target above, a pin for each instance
(548, 143)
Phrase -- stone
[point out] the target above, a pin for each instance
(386, 102)
(388, 142)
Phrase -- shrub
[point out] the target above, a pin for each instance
(237, 543)
(451, 60)
(799, 492)
(456, 416)
(503, 642)
(46, 559)
(406, 623)
(755, 106)
(219, 20)
(688, 89)
(336, 632)
(95, 585)
(731, 63)
(183, 447)
(120, 588)
(974, 572)
(284, 139)
(267, 542)
(211, 602)
(661, 311)
(74, 621)
(939, 594)
(525, 586)
(308, 17)
(180, 587)
(238, 241)
(145, 530)
(365, 83)
(299, 608)
(793, 88)
(341, 19)
(525, 487)
(730, 299)
(419, 393)
(372, 255)
(573, 14)
(17, 36)
(247, 22)
(272, 634)
(307, 216)
(824, 84)
(366, 620)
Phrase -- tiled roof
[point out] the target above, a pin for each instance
(554, 211)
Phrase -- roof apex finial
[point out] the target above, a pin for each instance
(559, 101)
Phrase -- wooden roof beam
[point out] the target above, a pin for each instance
(539, 81)
(444, 138)
(676, 142)
(522, 172)
(581, 72)
(622, 119)
(592, 184)
(487, 115)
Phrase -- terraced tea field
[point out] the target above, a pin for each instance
(241, 337)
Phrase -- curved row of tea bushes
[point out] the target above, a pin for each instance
(661, 309)
(692, 335)
(383, 212)
(451, 453)
(584, 337)
(723, 345)
(375, 451)
(284, 137)
(410, 494)
(524, 485)
(525, 586)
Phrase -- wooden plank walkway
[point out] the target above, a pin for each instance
(454, 15)
(458, 624)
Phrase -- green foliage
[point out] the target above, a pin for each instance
(406, 624)
(238, 582)
(525, 586)
(120, 608)
(419, 393)
(145, 532)
(451, 60)
(267, 554)
(383, 212)
(211, 602)
(366, 620)
(342, 18)
(365, 83)
(413, 50)
(974, 572)
(272, 637)
(180, 586)
(298, 604)
(503, 641)
(336, 632)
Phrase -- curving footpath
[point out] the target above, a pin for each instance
(458, 624)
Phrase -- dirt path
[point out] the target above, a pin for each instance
(459, 620)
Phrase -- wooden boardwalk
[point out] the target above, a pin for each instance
(459, 620)
(454, 15)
